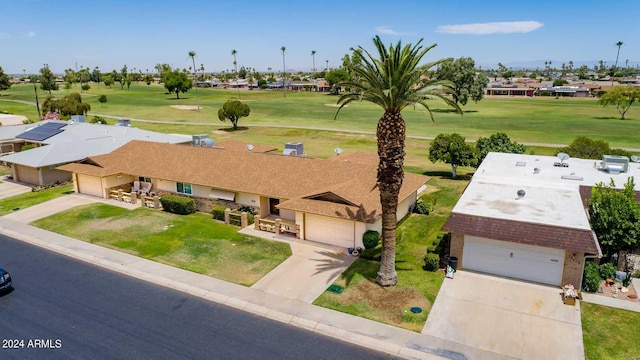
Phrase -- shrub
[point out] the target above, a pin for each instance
(218, 212)
(249, 218)
(370, 239)
(424, 207)
(431, 262)
(178, 204)
(607, 271)
(98, 120)
(592, 278)
(27, 147)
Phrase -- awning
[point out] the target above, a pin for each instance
(221, 194)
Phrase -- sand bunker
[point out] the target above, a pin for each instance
(335, 105)
(6, 119)
(186, 107)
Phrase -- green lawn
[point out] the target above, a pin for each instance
(609, 333)
(26, 200)
(416, 287)
(192, 242)
(538, 120)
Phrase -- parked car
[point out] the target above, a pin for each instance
(5, 280)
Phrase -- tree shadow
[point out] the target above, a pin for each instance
(606, 118)
(452, 111)
(181, 98)
(447, 175)
(231, 129)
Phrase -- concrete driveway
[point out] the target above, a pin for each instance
(507, 319)
(10, 188)
(307, 273)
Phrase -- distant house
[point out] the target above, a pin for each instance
(59, 142)
(570, 91)
(524, 216)
(332, 201)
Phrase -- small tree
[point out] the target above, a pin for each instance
(85, 87)
(498, 142)
(108, 79)
(585, 148)
(614, 216)
(47, 80)
(177, 81)
(102, 99)
(98, 120)
(622, 97)
(233, 110)
(467, 82)
(5, 84)
(452, 149)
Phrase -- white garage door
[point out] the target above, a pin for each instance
(90, 185)
(527, 262)
(329, 230)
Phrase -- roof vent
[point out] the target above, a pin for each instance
(521, 194)
(536, 170)
(521, 163)
(635, 158)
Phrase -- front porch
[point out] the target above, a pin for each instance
(276, 225)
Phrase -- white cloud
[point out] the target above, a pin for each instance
(31, 34)
(387, 30)
(505, 27)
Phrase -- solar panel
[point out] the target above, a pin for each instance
(39, 134)
(52, 125)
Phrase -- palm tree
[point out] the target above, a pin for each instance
(284, 74)
(192, 54)
(235, 66)
(313, 55)
(393, 81)
(618, 44)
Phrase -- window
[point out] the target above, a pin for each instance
(145, 179)
(183, 188)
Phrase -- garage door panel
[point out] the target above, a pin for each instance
(329, 230)
(527, 262)
(90, 185)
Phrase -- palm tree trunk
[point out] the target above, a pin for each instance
(391, 138)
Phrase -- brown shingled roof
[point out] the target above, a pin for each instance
(278, 176)
(242, 146)
(523, 232)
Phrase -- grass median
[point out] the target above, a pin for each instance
(192, 242)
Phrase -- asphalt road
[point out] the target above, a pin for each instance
(62, 308)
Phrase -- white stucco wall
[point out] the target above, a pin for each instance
(287, 214)
(252, 200)
(403, 206)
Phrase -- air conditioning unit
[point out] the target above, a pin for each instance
(201, 140)
(123, 122)
(615, 164)
(294, 149)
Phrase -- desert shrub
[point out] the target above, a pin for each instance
(431, 262)
(249, 218)
(607, 271)
(178, 204)
(592, 279)
(370, 239)
(247, 209)
(218, 212)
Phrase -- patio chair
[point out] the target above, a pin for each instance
(136, 187)
(146, 188)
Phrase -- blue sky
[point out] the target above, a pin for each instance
(142, 33)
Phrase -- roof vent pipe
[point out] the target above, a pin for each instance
(520, 194)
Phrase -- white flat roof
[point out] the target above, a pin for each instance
(549, 199)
